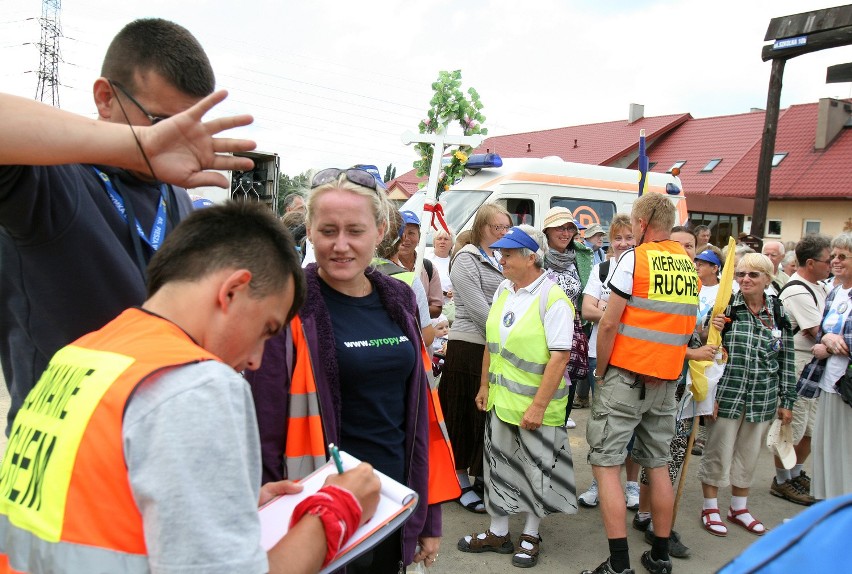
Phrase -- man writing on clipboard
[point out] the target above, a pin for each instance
(138, 449)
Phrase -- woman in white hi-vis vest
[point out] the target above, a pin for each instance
(528, 465)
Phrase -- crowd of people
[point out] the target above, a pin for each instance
(172, 369)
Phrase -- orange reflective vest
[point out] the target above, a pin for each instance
(305, 449)
(65, 499)
(659, 317)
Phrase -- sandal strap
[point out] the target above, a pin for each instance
(534, 540)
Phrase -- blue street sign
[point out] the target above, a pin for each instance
(790, 43)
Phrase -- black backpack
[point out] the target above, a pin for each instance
(732, 312)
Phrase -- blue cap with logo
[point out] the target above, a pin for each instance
(516, 238)
(710, 257)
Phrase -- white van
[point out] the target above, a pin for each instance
(527, 188)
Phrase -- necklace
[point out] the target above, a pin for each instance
(775, 333)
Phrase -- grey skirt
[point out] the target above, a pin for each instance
(527, 471)
(832, 448)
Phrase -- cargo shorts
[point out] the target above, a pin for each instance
(621, 407)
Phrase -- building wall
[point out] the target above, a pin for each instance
(832, 215)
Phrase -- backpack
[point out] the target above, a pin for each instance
(732, 312)
(813, 541)
(808, 289)
(427, 265)
(603, 270)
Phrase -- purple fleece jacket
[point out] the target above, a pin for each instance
(270, 385)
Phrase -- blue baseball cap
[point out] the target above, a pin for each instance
(199, 202)
(408, 217)
(710, 257)
(516, 238)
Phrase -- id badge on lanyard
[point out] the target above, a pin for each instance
(158, 230)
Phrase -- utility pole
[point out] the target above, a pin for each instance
(48, 70)
(793, 36)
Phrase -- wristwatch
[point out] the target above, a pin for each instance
(596, 375)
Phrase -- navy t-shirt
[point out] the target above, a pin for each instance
(375, 361)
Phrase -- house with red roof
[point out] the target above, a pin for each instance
(811, 182)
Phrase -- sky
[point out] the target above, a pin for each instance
(334, 83)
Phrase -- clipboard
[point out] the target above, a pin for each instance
(396, 504)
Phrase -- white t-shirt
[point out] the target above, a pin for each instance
(803, 313)
(600, 291)
(442, 264)
(706, 300)
(836, 316)
(558, 320)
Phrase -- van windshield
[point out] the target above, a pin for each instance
(459, 205)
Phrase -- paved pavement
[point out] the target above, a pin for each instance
(573, 543)
(576, 542)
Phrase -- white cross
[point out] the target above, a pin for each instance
(440, 140)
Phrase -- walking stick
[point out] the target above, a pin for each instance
(684, 468)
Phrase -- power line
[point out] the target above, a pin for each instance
(48, 70)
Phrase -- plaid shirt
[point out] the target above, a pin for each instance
(756, 377)
(808, 385)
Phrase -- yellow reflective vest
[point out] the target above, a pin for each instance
(516, 367)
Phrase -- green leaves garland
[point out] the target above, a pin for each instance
(449, 104)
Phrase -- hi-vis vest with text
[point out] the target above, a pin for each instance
(516, 368)
(65, 499)
(659, 317)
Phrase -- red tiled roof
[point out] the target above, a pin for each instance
(700, 140)
(591, 143)
(805, 172)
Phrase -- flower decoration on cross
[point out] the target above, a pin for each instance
(449, 104)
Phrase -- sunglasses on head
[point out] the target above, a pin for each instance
(751, 274)
(353, 174)
(151, 118)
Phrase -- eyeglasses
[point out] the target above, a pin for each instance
(153, 119)
(822, 260)
(565, 229)
(839, 256)
(353, 174)
(499, 228)
(751, 274)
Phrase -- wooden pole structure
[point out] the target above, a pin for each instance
(682, 480)
(767, 148)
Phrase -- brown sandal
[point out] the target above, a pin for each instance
(524, 557)
(491, 543)
(734, 516)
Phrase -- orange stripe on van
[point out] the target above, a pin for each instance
(569, 180)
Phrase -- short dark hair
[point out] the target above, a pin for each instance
(811, 246)
(682, 229)
(699, 228)
(239, 235)
(164, 47)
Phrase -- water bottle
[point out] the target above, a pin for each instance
(417, 567)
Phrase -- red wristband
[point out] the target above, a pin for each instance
(339, 511)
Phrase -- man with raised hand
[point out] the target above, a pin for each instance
(84, 203)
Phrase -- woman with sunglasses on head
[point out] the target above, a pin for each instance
(475, 273)
(830, 377)
(758, 385)
(357, 339)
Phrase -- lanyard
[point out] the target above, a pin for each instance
(158, 230)
(494, 262)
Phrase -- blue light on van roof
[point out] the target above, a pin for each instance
(483, 160)
(672, 189)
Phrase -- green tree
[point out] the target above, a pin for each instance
(287, 186)
(390, 172)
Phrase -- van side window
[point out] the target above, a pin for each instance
(522, 211)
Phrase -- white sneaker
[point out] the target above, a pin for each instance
(589, 499)
(631, 494)
(570, 424)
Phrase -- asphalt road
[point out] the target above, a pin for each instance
(573, 543)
